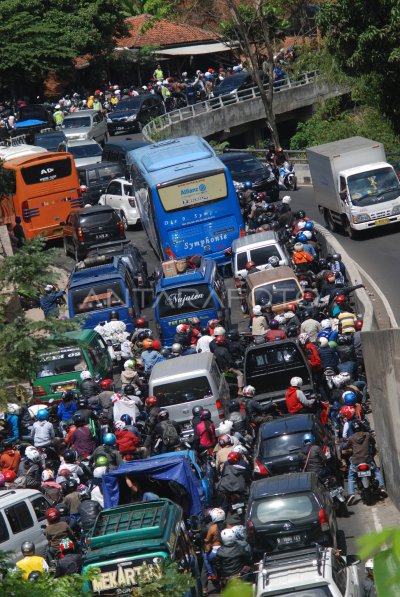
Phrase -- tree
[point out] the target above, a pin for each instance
(364, 38)
(37, 37)
(384, 548)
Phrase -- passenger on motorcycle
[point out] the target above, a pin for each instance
(235, 477)
(129, 376)
(205, 431)
(311, 353)
(224, 447)
(314, 460)
(256, 413)
(127, 442)
(88, 509)
(296, 400)
(225, 360)
(56, 530)
(212, 540)
(329, 357)
(42, 431)
(69, 562)
(31, 562)
(232, 559)
(238, 418)
(310, 326)
(82, 440)
(259, 325)
(274, 332)
(88, 386)
(109, 450)
(151, 354)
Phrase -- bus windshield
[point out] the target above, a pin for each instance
(193, 193)
(179, 301)
(105, 295)
(64, 360)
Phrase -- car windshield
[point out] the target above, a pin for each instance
(179, 301)
(375, 186)
(179, 392)
(85, 151)
(103, 218)
(259, 255)
(128, 104)
(105, 295)
(74, 122)
(284, 291)
(241, 166)
(64, 360)
(281, 445)
(50, 142)
(284, 507)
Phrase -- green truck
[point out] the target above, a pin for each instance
(126, 537)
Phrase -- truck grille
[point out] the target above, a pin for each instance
(381, 214)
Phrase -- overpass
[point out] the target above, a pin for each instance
(235, 113)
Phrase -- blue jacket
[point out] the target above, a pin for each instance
(66, 410)
(49, 304)
(329, 357)
(12, 421)
(150, 358)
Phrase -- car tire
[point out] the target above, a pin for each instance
(124, 220)
(66, 250)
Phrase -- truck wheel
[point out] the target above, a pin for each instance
(330, 224)
(351, 233)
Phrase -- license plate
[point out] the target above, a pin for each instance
(100, 236)
(382, 221)
(364, 473)
(337, 491)
(289, 539)
(187, 426)
(119, 128)
(64, 387)
(236, 506)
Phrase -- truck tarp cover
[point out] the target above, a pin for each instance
(162, 469)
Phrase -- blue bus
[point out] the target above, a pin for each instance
(186, 199)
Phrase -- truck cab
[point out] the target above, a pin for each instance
(126, 537)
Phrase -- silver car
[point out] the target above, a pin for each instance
(85, 124)
(85, 152)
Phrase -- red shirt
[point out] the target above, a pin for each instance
(126, 441)
(293, 404)
(273, 335)
(207, 436)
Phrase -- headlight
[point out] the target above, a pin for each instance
(133, 117)
(396, 210)
(360, 218)
(238, 185)
(109, 121)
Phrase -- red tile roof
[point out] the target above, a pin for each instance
(162, 33)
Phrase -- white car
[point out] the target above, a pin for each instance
(119, 195)
(316, 571)
(85, 152)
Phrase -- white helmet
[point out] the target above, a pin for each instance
(33, 454)
(301, 224)
(228, 537)
(296, 382)
(47, 474)
(257, 310)
(346, 377)
(249, 391)
(240, 532)
(240, 449)
(119, 425)
(129, 364)
(219, 331)
(323, 342)
(286, 199)
(224, 428)
(99, 471)
(369, 564)
(280, 319)
(288, 314)
(298, 247)
(86, 375)
(180, 329)
(307, 234)
(326, 323)
(217, 515)
(13, 409)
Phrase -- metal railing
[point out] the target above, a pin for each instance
(296, 156)
(217, 103)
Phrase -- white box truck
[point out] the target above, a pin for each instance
(354, 187)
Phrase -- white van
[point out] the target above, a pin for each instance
(259, 248)
(22, 518)
(192, 380)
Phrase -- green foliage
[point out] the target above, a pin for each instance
(7, 181)
(219, 146)
(384, 547)
(237, 588)
(147, 55)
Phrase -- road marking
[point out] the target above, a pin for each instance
(375, 518)
(379, 293)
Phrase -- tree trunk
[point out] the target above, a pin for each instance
(266, 98)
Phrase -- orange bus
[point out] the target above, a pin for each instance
(45, 189)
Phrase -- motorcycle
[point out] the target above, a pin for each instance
(287, 177)
(337, 494)
(367, 484)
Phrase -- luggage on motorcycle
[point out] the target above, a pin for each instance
(170, 437)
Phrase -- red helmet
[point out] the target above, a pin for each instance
(340, 299)
(66, 545)
(151, 401)
(106, 384)
(9, 476)
(157, 345)
(291, 307)
(358, 324)
(347, 411)
(249, 265)
(220, 340)
(234, 457)
(309, 296)
(140, 322)
(52, 515)
(329, 276)
(147, 343)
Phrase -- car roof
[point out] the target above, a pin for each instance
(180, 365)
(81, 113)
(76, 143)
(121, 179)
(260, 237)
(229, 156)
(84, 211)
(282, 485)
(10, 497)
(287, 425)
(267, 276)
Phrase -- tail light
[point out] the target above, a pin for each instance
(218, 404)
(80, 234)
(323, 521)
(121, 228)
(132, 201)
(170, 253)
(39, 391)
(87, 541)
(250, 528)
(242, 232)
(259, 468)
(363, 467)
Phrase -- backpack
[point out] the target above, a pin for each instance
(170, 435)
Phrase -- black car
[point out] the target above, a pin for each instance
(133, 113)
(117, 150)
(238, 82)
(89, 227)
(94, 179)
(134, 260)
(280, 443)
(51, 140)
(288, 512)
(245, 167)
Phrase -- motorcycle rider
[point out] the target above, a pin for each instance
(235, 477)
(205, 431)
(88, 509)
(231, 559)
(225, 360)
(310, 326)
(69, 562)
(88, 386)
(225, 444)
(10, 457)
(251, 268)
(30, 562)
(32, 468)
(274, 333)
(314, 460)
(109, 450)
(296, 400)
(238, 418)
(56, 531)
(361, 446)
(82, 440)
(368, 585)
(151, 354)
(256, 413)
(328, 357)
(42, 431)
(129, 375)
(259, 325)
(212, 540)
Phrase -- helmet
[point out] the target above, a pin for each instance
(144, 334)
(300, 215)
(308, 438)
(307, 233)
(70, 456)
(291, 307)
(347, 411)
(225, 440)
(298, 247)
(309, 226)
(219, 331)
(182, 328)
(349, 398)
(196, 410)
(340, 299)
(130, 364)
(157, 345)
(323, 342)
(32, 454)
(225, 427)
(70, 485)
(322, 263)
(249, 391)
(296, 382)
(78, 420)
(326, 323)
(101, 461)
(274, 261)
(309, 296)
(2, 480)
(228, 537)
(53, 515)
(248, 184)
(358, 324)
(129, 390)
(147, 343)
(66, 545)
(163, 415)
(257, 310)
(47, 474)
(85, 375)
(217, 515)
(109, 439)
(273, 324)
(234, 405)
(9, 476)
(34, 575)
(194, 320)
(84, 493)
(140, 322)
(106, 384)
(286, 199)
(233, 458)
(42, 414)
(240, 532)
(205, 415)
(288, 315)
(176, 348)
(127, 419)
(151, 401)
(336, 257)
(28, 548)
(249, 265)
(62, 509)
(220, 340)
(369, 564)
(212, 323)
(119, 425)
(304, 338)
(166, 353)
(301, 238)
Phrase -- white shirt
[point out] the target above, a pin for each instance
(203, 344)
